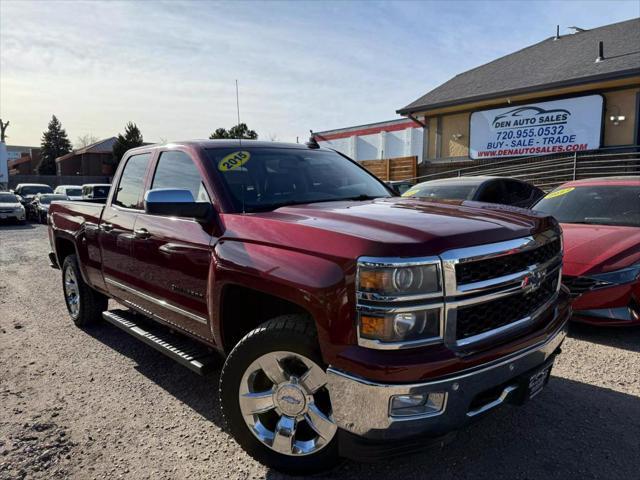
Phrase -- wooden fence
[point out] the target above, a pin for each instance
(399, 168)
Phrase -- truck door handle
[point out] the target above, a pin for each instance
(141, 233)
(106, 227)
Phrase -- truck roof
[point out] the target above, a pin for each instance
(226, 143)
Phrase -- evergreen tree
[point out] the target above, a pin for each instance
(132, 138)
(55, 143)
(239, 131)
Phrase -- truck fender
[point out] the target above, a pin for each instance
(316, 284)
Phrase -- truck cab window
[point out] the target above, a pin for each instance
(132, 181)
(176, 170)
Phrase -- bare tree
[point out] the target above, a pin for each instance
(3, 128)
(273, 137)
(85, 140)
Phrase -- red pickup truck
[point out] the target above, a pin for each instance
(354, 322)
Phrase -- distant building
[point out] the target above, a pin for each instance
(94, 159)
(374, 141)
(23, 160)
(569, 93)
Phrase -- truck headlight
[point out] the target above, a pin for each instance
(400, 327)
(401, 280)
(400, 302)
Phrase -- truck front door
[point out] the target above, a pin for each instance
(173, 255)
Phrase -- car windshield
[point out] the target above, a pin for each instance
(35, 189)
(8, 198)
(263, 179)
(74, 192)
(595, 205)
(46, 199)
(447, 192)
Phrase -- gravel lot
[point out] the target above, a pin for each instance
(99, 404)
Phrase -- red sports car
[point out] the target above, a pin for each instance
(600, 220)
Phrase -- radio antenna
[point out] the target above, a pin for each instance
(243, 173)
(238, 110)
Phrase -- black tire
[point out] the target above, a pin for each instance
(91, 303)
(294, 333)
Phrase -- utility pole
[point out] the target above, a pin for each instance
(3, 128)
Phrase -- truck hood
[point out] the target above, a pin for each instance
(592, 249)
(10, 204)
(385, 227)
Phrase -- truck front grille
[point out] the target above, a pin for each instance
(500, 288)
(507, 264)
(484, 317)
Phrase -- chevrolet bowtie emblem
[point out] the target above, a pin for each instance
(533, 280)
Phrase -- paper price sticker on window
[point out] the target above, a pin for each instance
(559, 193)
(233, 161)
(411, 192)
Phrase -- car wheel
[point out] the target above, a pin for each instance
(275, 399)
(84, 304)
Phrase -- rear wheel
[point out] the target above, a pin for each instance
(275, 397)
(85, 305)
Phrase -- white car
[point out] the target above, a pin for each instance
(11, 208)
(73, 192)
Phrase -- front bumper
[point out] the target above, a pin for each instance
(361, 407)
(617, 305)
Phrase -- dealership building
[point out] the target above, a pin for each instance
(571, 93)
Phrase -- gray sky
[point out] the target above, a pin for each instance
(171, 66)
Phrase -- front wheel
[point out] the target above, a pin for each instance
(275, 398)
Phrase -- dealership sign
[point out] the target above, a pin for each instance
(560, 126)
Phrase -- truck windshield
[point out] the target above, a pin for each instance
(263, 179)
(596, 205)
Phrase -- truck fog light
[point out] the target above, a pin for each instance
(403, 323)
(417, 404)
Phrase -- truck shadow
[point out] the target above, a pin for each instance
(199, 393)
(627, 338)
(571, 430)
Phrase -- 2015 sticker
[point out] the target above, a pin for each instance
(559, 193)
(234, 161)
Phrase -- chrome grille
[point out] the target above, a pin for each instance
(498, 289)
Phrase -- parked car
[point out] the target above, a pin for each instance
(601, 222)
(354, 322)
(11, 208)
(506, 191)
(39, 207)
(400, 186)
(95, 191)
(73, 192)
(27, 191)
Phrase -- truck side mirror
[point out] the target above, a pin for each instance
(175, 202)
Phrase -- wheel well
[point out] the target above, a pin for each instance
(64, 248)
(243, 309)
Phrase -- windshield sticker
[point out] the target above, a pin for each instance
(233, 161)
(559, 193)
(410, 192)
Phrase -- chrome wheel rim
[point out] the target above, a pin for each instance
(71, 291)
(285, 403)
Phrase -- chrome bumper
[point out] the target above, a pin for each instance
(362, 407)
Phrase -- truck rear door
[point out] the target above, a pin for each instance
(117, 224)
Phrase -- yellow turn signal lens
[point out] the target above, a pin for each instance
(373, 327)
